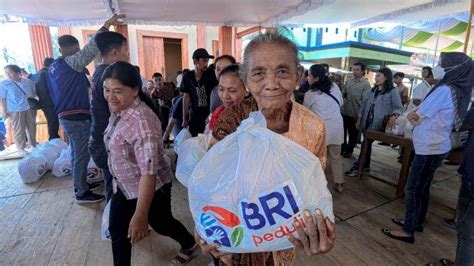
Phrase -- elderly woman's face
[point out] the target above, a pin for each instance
(272, 75)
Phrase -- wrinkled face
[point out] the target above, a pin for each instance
(119, 96)
(158, 80)
(201, 64)
(231, 89)
(272, 75)
(12, 74)
(220, 65)
(122, 54)
(357, 71)
(380, 78)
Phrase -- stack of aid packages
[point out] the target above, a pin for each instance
(54, 155)
(247, 190)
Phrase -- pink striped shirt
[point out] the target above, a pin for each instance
(135, 149)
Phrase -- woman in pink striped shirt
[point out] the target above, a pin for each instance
(142, 178)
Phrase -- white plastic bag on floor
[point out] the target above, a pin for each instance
(51, 152)
(183, 135)
(104, 232)
(93, 173)
(63, 166)
(246, 191)
(32, 168)
(191, 152)
(59, 143)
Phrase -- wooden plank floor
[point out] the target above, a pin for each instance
(41, 225)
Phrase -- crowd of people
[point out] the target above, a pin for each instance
(124, 121)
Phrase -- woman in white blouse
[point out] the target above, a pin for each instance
(325, 100)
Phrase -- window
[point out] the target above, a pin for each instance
(337, 30)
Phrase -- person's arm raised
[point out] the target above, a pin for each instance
(86, 55)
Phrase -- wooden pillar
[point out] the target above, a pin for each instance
(40, 39)
(201, 36)
(122, 29)
(238, 49)
(225, 40)
(64, 31)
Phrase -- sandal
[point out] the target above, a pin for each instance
(407, 239)
(400, 222)
(184, 256)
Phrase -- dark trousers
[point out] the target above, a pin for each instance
(351, 133)
(159, 217)
(164, 118)
(98, 153)
(417, 189)
(197, 121)
(53, 122)
(465, 225)
(368, 155)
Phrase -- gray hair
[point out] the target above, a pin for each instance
(265, 38)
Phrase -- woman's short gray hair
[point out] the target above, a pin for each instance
(264, 38)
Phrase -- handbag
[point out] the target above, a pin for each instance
(32, 102)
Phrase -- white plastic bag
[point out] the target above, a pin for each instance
(104, 232)
(50, 151)
(399, 128)
(32, 167)
(183, 135)
(63, 166)
(94, 174)
(191, 152)
(246, 191)
(59, 143)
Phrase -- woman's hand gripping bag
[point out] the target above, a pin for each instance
(246, 191)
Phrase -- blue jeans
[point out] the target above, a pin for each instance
(78, 135)
(465, 225)
(417, 189)
(98, 153)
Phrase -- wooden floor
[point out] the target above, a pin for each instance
(41, 225)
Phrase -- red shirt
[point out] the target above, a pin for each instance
(215, 117)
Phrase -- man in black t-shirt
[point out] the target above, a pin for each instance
(196, 87)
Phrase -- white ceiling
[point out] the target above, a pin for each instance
(231, 12)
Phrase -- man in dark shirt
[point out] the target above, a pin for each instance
(196, 87)
(113, 47)
(465, 219)
(45, 99)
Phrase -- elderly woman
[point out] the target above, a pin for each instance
(443, 109)
(142, 178)
(383, 102)
(271, 72)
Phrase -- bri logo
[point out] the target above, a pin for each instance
(217, 233)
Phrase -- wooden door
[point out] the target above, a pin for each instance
(154, 51)
(151, 51)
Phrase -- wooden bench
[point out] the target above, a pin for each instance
(407, 145)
